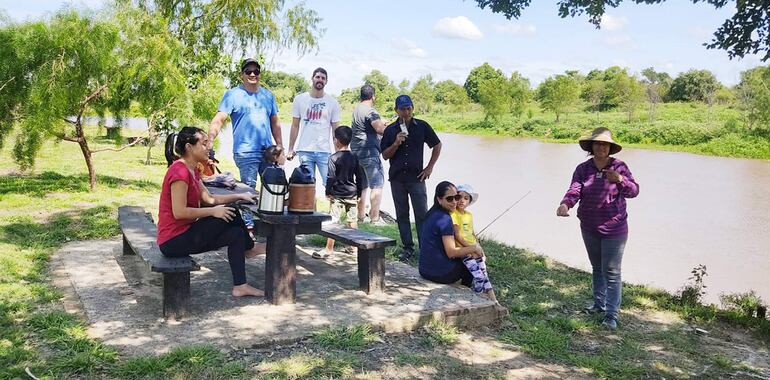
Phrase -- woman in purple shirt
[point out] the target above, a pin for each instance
(602, 184)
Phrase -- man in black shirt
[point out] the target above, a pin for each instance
(402, 144)
(344, 184)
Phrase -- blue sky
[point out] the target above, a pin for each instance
(447, 38)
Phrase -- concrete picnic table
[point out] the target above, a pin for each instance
(281, 231)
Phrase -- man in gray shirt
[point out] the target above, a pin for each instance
(367, 132)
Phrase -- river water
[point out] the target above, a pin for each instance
(691, 209)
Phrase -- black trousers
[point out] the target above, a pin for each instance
(459, 272)
(210, 233)
(402, 192)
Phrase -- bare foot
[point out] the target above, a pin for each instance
(259, 249)
(247, 290)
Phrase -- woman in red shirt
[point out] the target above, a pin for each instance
(186, 228)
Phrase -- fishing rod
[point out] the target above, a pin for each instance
(503, 213)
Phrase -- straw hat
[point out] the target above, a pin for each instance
(468, 189)
(600, 134)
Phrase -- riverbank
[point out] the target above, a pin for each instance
(682, 127)
(52, 206)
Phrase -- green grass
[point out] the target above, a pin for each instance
(51, 206)
(545, 298)
(440, 334)
(188, 362)
(301, 366)
(407, 358)
(346, 338)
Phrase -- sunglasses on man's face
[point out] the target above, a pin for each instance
(453, 198)
(249, 72)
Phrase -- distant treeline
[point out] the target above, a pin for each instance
(613, 88)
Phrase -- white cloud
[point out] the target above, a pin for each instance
(417, 52)
(612, 23)
(526, 30)
(618, 42)
(409, 48)
(459, 27)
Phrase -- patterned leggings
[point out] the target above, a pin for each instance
(478, 268)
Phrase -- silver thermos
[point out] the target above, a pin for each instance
(274, 188)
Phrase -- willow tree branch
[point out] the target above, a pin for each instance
(64, 137)
(138, 140)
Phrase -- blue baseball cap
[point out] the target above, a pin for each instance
(403, 101)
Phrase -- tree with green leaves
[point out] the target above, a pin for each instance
(423, 93)
(403, 86)
(376, 79)
(631, 94)
(746, 32)
(615, 79)
(14, 84)
(73, 64)
(65, 67)
(478, 75)
(519, 92)
(620, 89)
(385, 91)
(656, 87)
(213, 31)
(284, 86)
(754, 97)
(349, 95)
(593, 92)
(494, 98)
(694, 86)
(450, 93)
(153, 78)
(509, 96)
(557, 94)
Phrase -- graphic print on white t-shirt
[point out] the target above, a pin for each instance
(315, 112)
(316, 116)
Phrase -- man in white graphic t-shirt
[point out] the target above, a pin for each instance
(315, 115)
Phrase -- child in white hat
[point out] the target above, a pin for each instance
(465, 236)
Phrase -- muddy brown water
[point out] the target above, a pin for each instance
(691, 209)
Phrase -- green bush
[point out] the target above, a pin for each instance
(746, 303)
(631, 134)
(677, 134)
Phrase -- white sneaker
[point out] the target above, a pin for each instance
(379, 223)
(322, 254)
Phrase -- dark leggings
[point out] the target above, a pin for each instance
(210, 233)
(459, 272)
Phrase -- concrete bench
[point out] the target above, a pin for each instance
(139, 237)
(371, 254)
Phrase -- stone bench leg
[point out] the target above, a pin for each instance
(127, 250)
(176, 294)
(371, 270)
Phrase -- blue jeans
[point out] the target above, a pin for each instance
(606, 255)
(402, 192)
(249, 171)
(316, 159)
